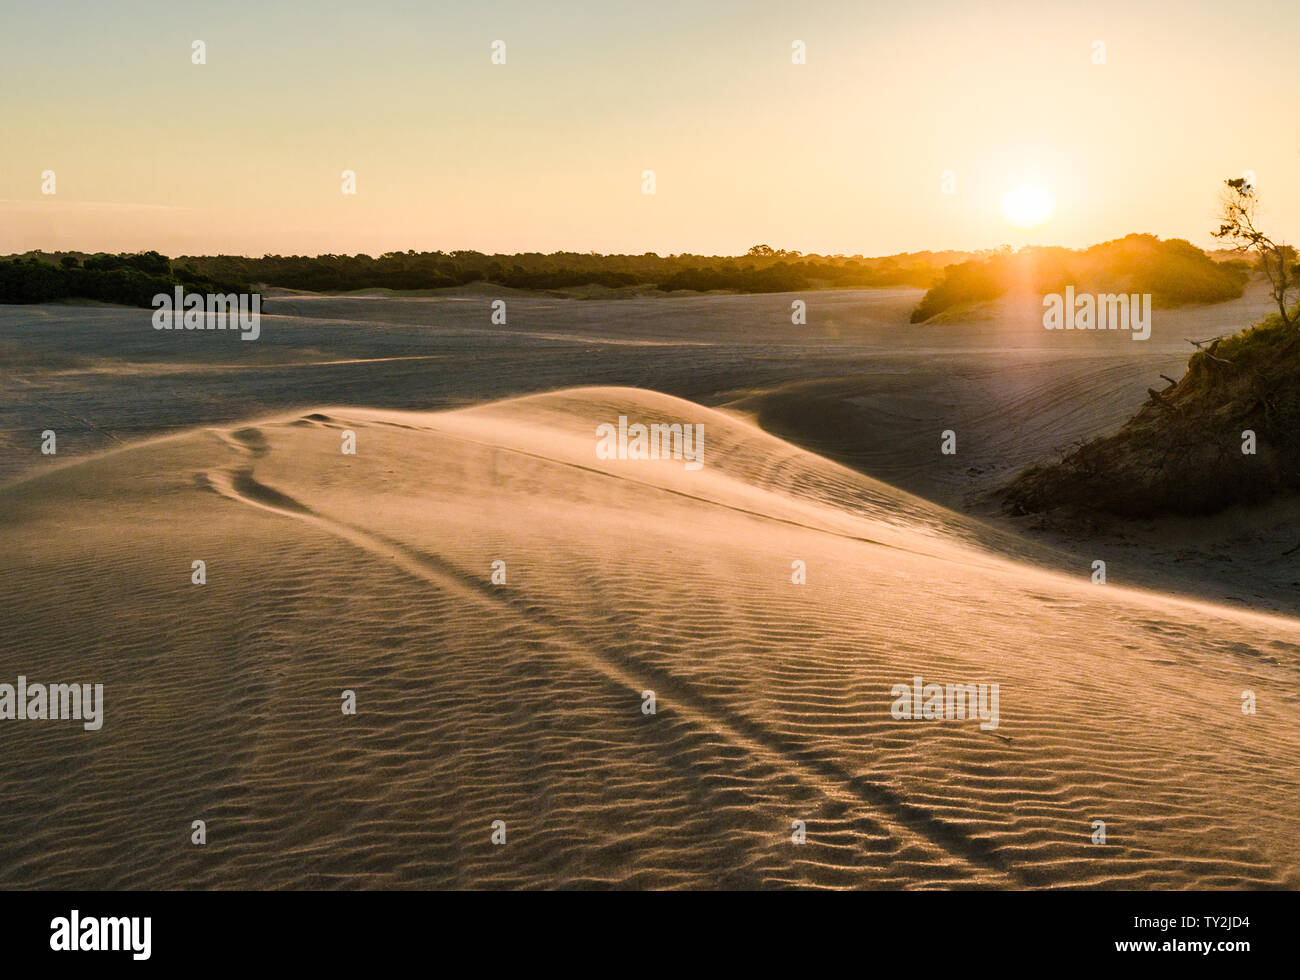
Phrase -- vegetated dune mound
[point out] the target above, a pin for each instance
(524, 701)
(1174, 272)
(1227, 433)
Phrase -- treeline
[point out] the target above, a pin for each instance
(762, 269)
(1174, 272)
(132, 280)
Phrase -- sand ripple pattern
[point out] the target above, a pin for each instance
(522, 702)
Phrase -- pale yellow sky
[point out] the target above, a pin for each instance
(845, 153)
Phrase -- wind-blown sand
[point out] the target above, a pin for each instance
(522, 702)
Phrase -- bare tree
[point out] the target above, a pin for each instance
(1237, 226)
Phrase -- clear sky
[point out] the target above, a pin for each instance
(845, 153)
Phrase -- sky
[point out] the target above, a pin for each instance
(846, 153)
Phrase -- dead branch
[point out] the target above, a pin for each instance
(1208, 351)
(1159, 399)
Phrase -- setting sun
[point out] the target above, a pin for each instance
(1028, 207)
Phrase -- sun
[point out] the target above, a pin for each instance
(1028, 206)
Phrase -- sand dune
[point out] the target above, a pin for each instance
(857, 384)
(522, 702)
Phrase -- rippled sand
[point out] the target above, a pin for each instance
(522, 702)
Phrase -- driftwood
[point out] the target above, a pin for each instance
(1172, 382)
(1208, 351)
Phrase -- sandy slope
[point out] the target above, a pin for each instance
(522, 702)
(857, 384)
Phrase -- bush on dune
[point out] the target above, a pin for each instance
(977, 281)
(1182, 453)
(1174, 272)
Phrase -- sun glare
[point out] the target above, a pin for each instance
(1028, 207)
